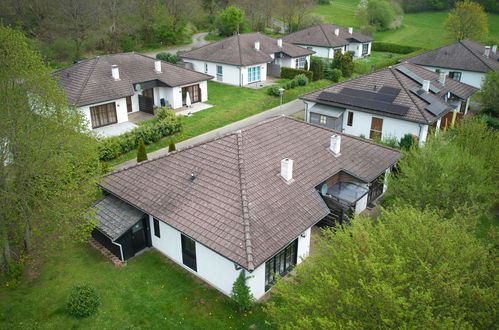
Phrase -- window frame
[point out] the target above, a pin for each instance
(189, 252)
(206, 68)
(373, 132)
(456, 75)
(281, 263)
(220, 72)
(254, 74)
(350, 118)
(157, 230)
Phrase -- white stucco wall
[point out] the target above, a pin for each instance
(474, 79)
(244, 72)
(121, 111)
(232, 74)
(320, 51)
(361, 204)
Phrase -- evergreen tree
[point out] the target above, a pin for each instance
(317, 67)
(171, 146)
(141, 152)
(241, 293)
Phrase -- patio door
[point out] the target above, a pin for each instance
(194, 93)
(103, 115)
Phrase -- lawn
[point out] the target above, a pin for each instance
(230, 104)
(420, 29)
(376, 57)
(151, 292)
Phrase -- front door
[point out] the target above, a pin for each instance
(139, 239)
(146, 101)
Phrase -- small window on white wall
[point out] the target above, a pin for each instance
(323, 120)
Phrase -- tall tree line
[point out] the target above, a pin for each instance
(414, 6)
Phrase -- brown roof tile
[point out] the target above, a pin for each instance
(322, 35)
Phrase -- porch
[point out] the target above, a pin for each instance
(261, 84)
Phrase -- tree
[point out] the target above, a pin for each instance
(467, 20)
(171, 146)
(293, 13)
(241, 293)
(410, 269)
(230, 20)
(490, 93)
(48, 164)
(317, 67)
(141, 151)
(346, 64)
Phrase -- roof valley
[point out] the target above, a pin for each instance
(245, 204)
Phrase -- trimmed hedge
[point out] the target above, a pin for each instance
(393, 48)
(289, 73)
(112, 147)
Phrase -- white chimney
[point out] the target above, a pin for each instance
(426, 85)
(494, 49)
(337, 32)
(115, 71)
(157, 66)
(257, 45)
(287, 169)
(486, 53)
(279, 43)
(335, 145)
(350, 30)
(441, 79)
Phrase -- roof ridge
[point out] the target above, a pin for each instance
(325, 35)
(171, 64)
(87, 79)
(474, 54)
(244, 203)
(239, 50)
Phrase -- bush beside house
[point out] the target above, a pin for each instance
(289, 73)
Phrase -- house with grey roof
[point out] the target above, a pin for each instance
(243, 202)
(390, 103)
(466, 61)
(326, 39)
(248, 58)
(107, 89)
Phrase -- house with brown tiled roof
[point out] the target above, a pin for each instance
(466, 61)
(390, 103)
(107, 89)
(243, 202)
(248, 58)
(326, 39)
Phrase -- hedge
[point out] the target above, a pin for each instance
(364, 68)
(289, 73)
(112, 147)
(393, 48)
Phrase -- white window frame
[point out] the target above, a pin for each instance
(221, 74)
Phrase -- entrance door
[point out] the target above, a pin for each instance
(146, 101)
(103, 115)
(139, 241)
(194, 93)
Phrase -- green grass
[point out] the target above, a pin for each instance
(420, 29)
(150, 293)
(230, 104)
(376, 57)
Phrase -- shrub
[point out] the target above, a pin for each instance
(241, 293)
(491, 121)
(346, 64)
(490, 94)
(393, 48)
(171, 146)
(230, 20)
(165, 112)
(141, 151)
(301, 80)
(167, 57)
(335, 75)
(273, 90)
(407, 141)
(289, 73)
(83, 301)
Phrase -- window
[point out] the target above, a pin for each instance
(437, 70)
(206, 68)
(323, 120)
(376, 128)
(219, 73)
(310, 47)
(103, 115)
(156, 228)
(281, 263)
(350, 118)
(189, 252)
(254, 74)
(365, 49)
(300, 63)
(455, 75)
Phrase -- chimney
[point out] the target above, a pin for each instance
(279, 43)
(157, 66)
(494, 49)
(257, 45)
(287, 169)
(115, 71)
(426, 86)
(337, 32)
(486, 53)
(335, 145)
(441, 79)
(350, 30)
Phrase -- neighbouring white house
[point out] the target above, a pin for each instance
(390, 103)
(109, 88)
(466, 61)
(326, 39)
(245, 59)
(243, 202)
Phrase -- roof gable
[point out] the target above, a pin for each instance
(323, 35)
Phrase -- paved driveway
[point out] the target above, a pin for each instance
(197, 41)
(287, 109)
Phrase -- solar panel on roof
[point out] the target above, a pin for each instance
(364, 103)
(389, 90)
(435, 106)
(377, 96)
(416, 78)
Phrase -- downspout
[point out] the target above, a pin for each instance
(240, 78)
(420, 135)
(306, 111)
(121, 250)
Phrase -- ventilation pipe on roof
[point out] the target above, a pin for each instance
(279, 43)
(335, 145)
(157, 66)
(287, 169)
(257, 45)
(115, 71)
(441, 79)
(337, 32)
(486, 53)
(494, 49)
(426, 85)
(350, 30)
